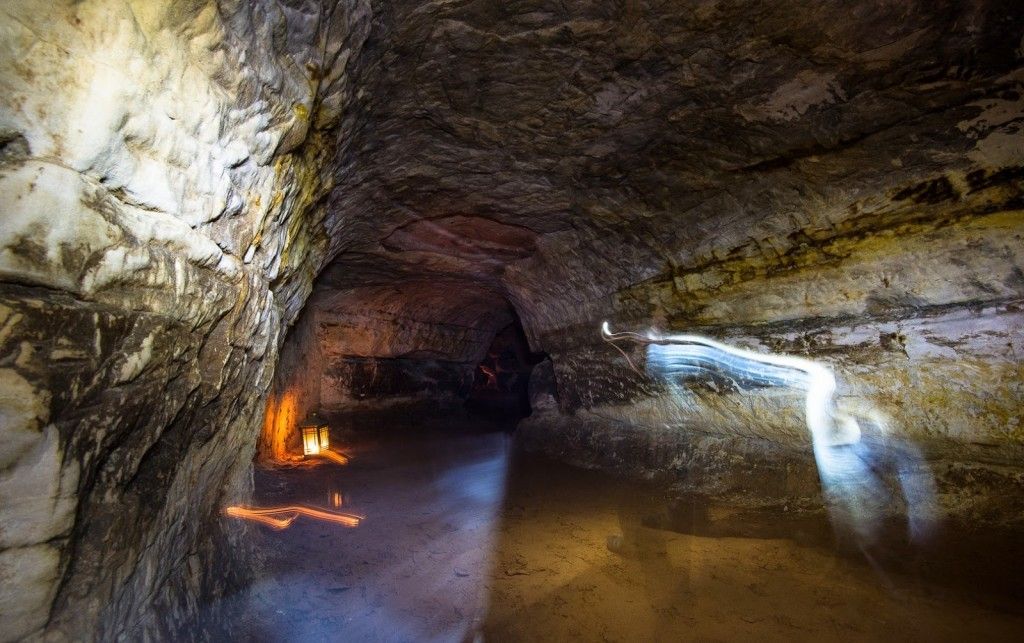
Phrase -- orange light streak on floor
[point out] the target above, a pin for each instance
(260, 517)
(334, 456)
(283, 517)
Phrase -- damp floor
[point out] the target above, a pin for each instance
(465, 538)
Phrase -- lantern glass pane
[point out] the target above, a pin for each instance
(310, 440)
(324, 437)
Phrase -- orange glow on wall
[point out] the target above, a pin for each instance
(280, 423)
(282, 517)
(286, 439)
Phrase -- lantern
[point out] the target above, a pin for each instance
(315, 438)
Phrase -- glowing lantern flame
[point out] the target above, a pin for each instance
(310, 440)
(282, 517)
(315, 442)
(316, 439)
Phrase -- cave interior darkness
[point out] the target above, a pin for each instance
(511, 320)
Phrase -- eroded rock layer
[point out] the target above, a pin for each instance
(163, 178)
(374, 341)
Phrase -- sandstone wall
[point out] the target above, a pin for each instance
(912, 297)
(392, 341)
(841, 182)
(164, 167)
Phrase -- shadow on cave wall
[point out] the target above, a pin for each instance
(501, 379)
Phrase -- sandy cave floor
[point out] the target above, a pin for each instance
(466, 538)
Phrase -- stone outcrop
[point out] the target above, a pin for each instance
(164, 174)
(842, 181)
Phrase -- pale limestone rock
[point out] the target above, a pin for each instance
(23, 411)
(37, 495)
(148, 147)
(28, 578)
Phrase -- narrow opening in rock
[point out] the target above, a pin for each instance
(501, 379)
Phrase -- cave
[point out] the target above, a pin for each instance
(502, 377)
(524, 320)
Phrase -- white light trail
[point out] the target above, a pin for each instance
(855, 492)
(688, 355)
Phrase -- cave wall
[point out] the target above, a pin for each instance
(164, 170)
(911, 294)
(909, 290)
(842, 181)
(386, 342)
(378, 361)
(337, 362)
(294, 396)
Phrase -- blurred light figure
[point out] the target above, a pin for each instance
(849, 467)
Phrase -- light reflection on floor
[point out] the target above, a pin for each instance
(413, 570)
(463, 539)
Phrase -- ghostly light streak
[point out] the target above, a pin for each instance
(689, 355)
(282, 517)
(848, 467)
(491, 375)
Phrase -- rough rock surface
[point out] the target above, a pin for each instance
(841, 181)
(371, 339)
(163, 178)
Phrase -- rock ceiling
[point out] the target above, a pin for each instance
(562, 152)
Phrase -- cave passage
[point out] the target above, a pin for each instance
(501, 379)
(504, 320)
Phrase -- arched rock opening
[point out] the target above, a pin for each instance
(501, 380)
(379, 342)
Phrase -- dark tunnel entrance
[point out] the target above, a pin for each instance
(501, 379)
